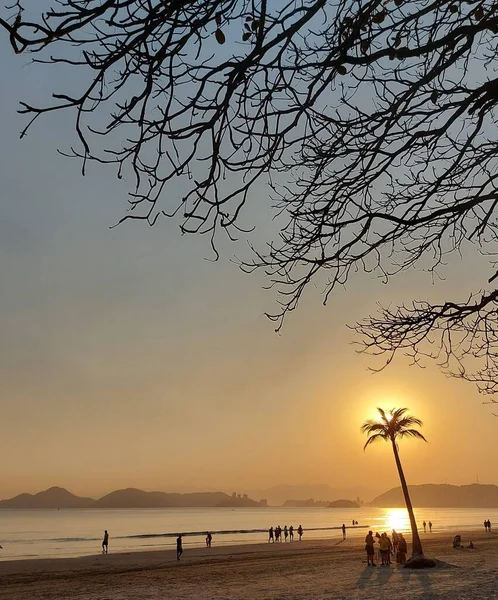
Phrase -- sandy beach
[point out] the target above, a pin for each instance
(309, 569)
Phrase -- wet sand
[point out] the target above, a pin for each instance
(312, 570)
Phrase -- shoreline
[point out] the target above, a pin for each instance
(196, 554)
(311, 569)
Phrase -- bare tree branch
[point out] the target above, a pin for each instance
(373, 123)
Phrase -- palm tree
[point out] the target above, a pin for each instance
(393, 425)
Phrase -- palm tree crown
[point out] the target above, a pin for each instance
(394, 424)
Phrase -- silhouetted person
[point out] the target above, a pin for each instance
(430, 527)
(286, 533)
(489, 525)
(278, 533)
(105, 543)
(395, 538)
(425, 526)
(209, 538)
(384, 547)
(300, 532)
(343, 531)
(402, 549)
(352, 522)
(389, 554)
(179, 547)
(270, 535)
(291, 533)
(369, 548)
(485, 525)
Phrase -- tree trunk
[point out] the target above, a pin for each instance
(416, 543)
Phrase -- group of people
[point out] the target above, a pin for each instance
(275, 535)
(388, 547)
(487, 525)
(457, 542)
(425, 526)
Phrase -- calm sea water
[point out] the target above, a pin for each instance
(64, 533)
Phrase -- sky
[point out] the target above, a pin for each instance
(128, 359)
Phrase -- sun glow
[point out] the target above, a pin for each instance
(396, 518)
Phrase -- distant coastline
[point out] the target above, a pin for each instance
(57, 497)
(423, 496)
(310, 503)
(441, 496)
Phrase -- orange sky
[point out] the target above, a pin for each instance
(129, 360)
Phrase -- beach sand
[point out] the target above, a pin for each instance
(312, 570)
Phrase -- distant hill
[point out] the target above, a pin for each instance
(343, 504)
(57, 497)
(54, 497)
(134, 498)
(442, 496)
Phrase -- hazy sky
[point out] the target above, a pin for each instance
(129, 360)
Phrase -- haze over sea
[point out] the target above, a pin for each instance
(78, 532)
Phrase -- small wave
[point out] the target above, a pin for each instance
(145, 536)
(74, 539)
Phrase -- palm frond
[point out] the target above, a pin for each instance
(375, 438)
(383, 416)
(408, 422)
(372, 426)
(397, 413)
(411, 433)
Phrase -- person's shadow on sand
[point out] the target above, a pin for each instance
(378, 575)
(365, 577)
(384, 574)
(423, 577)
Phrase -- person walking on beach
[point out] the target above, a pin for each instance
(105, 543)
(430, 527)
(179, 547)
(291, 533)
(286, 533)
(300, 532)
(485, 525)
(209, 538)
(270, 535)
(369, 547)
(343, 531)
(489, 526)
(395, 539)
(425, 526)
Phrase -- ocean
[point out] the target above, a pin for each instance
(79, 532)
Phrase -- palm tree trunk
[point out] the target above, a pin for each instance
(416, 543)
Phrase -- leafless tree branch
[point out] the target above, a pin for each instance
(373, 123)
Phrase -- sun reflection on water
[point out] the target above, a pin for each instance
(395, 518)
